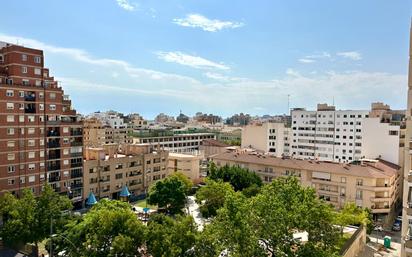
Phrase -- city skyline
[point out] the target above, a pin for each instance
(245, 59)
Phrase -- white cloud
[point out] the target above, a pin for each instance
(200, 21)
(128, 6)
(223, 78)
(356, 56)
(304, 60)
(319, 55)
(190, 60)
(292, 72)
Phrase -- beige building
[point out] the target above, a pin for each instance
(372, 184)
(188, 164)
(108, 169)
(97, 133)
(272, 137)
(211, 147)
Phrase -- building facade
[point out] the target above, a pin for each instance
(41, 135)
(188, 164)
(109, 168)
(174, 142)
(97, 132)
(373, 184)
(268, 137)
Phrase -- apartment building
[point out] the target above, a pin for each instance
(97, 132)
(344, 135)
(374, 184)
(41, 135)
(211, 147)
(188, 164)
(268, 137)
(109, 168)
(406, 249)
(173, 141)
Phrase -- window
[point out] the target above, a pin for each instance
(52, 95)
(119, 176)
(10, 118)
(65, 151)
(65, 129)
(24, 69)
(31, 142)
(21, 106)
(37, 59)
(10, 93)
(359, 182)
(31, 155)
(22, 180)
(38, 83)
(343, 179)
(52, 107)
(10, 144)
(25, 82)
(41, 153)
(11, 169)
(32, 166)
(24, 57)
(31, 118)
(21, 93)
(30, 130)
(10, 106)
(359, 194)
(32, 179)
(41, 107)
(10, 157)
(10, 181)
(10, 131)
(41, 95)
(66, 162)
(41, 141)
(37, 71)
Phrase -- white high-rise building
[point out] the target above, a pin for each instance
(345, 135)
(327, 134)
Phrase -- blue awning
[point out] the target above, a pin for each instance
(125, 192)
(91, 199)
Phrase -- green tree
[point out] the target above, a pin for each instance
(168, 237)
(238, 177)
(267, 223)
(169, 193)
(350, 214)
(188, 183)
(110, 228)
(212, 197)
(28, 219)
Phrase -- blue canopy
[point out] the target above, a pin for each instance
(125, 192)
(91, 199)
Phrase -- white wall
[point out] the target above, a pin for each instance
(376, 140)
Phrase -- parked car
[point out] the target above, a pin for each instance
(396, 226)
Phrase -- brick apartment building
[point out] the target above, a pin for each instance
(40, 134)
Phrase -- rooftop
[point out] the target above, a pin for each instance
(375, 169)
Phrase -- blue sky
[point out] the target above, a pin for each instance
(222, 57)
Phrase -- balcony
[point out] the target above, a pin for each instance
(53, 133)
(76, 143)
(53, 156)
(52, 167)
(76, 174)
(380, 209)
(328, 192)
(54, 179)
(30, 97)
(53, 144)
(76, 133)
(76, 154)
(76, 164)
(76, 185)
(104, 180)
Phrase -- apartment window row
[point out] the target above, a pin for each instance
(24, 69)
(36, 59)
(10, 93)
(12, 181)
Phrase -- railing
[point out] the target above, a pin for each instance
(76, 154)
(53, 167)
(76, 143)
(76, 164)
(76, 133)
(77, 185)
(53, 144)
(53, 134)
(53, 156)
(30, 110)
(30, 98)
(76, 175)
(54, 179)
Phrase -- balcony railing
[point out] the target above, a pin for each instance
(54, 179)
(53, 134)
(76, 185)
(53, 167)
(53, 156)
(53, 144)
(30, 98)
(76, 175)
(76, 154)
(76, 164)
(76, 143)
(76, 133)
